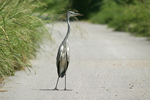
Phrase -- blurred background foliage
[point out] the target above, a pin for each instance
(122, 15)
(22, 24)
(129, 15)
(86, 7)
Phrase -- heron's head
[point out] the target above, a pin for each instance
(72, 14)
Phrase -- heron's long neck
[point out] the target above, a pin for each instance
(68, 32)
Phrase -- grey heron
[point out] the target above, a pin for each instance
(63, 55)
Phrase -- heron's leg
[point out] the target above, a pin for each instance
(56, 84)
(65, 82)
(65, 85)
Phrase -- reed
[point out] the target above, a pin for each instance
(20, 34)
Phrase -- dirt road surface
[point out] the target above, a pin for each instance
(105, 65)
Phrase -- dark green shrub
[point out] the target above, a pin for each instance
(125, 16)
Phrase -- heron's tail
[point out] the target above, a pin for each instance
(62, 74)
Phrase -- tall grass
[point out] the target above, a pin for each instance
(125, 16)
(20, 34)
(53, 9)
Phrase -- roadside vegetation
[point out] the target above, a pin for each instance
(127, 15)
(20, 34)
(123, 15)
(21, 31)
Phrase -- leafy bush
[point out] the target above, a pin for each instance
(125, 16)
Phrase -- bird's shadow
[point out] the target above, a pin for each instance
(53, 89)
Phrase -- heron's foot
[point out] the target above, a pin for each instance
(67, 89)
(55, 89)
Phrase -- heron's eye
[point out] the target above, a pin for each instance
(71, 13)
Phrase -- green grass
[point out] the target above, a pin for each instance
(131, 17)
(20, 35)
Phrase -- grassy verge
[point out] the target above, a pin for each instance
(20, 34)
(127, 16)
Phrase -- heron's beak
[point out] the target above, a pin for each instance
(78, 14)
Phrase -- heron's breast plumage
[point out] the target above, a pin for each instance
(63, 59)
(63, 64)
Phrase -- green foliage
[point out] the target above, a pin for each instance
(86, 7)
(60, 7)
(55, 9)
(55, 6)
(20, 34)
(125, 16)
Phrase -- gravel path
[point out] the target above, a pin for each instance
(105, 65)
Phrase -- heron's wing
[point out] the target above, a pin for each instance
(58, 68)
(58, 63)
(67, 59)
(59, 53)
(59, 56)
(63, 53)
(68, 55)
